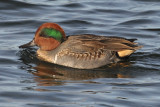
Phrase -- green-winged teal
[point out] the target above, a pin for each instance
(84, 51)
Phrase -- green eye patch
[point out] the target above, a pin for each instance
(49, 32)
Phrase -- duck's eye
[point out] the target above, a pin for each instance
(50, 32)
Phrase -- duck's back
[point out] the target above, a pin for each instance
(91, 51)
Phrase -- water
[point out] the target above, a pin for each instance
(27, 82)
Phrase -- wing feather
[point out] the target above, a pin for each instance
(92, 43)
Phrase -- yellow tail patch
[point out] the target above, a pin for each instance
(125, 53)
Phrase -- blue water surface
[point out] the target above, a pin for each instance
(26, 81)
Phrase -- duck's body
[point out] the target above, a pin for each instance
(84, 51)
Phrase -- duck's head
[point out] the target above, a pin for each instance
(48, 36)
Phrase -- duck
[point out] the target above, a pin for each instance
(82, 51)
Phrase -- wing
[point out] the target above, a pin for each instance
(93, 42)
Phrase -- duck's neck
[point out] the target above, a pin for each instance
(44, 55)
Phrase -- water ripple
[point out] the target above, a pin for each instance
(28, 82)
